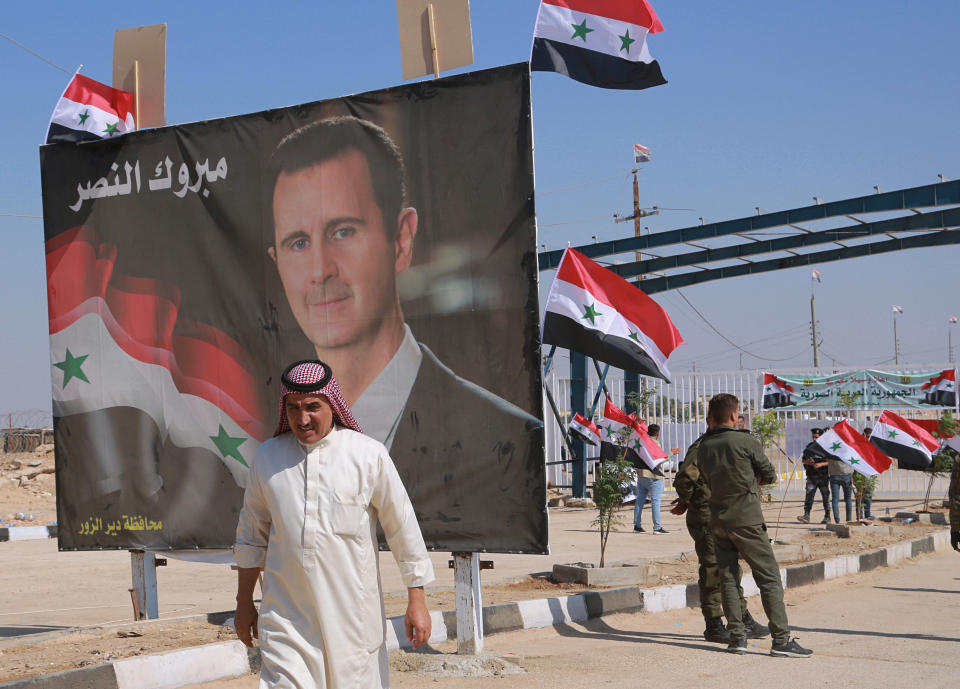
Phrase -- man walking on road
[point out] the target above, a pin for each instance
(314, 496)
(693, 496)
(734, 466)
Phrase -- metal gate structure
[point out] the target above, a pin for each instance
(680, 409)
(924, 216)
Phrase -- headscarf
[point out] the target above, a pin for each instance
(312, 376)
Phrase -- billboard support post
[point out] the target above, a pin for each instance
(431, 18)
(466, 574)
(143, 567)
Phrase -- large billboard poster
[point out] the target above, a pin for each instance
(390, 234)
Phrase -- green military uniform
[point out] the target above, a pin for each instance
(692, 489)
(732, 461)
(953, 497)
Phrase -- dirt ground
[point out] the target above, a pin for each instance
(28, 486)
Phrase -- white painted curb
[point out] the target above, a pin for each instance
(186, 666)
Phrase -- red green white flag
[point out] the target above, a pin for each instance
(845, 443)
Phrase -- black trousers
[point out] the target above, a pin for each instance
(813, 485)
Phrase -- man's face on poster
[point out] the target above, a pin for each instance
(337, 259)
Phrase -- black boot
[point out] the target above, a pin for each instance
(716, 632)
(754, 629)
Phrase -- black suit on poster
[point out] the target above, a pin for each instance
(465, 454)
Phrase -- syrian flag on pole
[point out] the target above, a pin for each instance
(594, 311)
(941, 390)
(639, 445)
(776, 392)
(89, 110)
(598, 42)
(845, 443)
(585, 429)
(641, 154)
(932, 426)
(907, 442)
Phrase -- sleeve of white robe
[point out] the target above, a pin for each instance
(400, 527)
(253, 528)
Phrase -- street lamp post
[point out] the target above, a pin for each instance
(951, 322)
(896, 342)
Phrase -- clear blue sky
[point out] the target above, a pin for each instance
(768, 104)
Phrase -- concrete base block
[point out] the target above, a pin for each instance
(644, 574)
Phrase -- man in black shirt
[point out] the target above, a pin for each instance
(816, 463)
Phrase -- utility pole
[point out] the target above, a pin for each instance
(637, 213)
(813, 329)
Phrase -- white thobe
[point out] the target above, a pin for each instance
(309, 521)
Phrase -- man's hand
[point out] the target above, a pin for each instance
(245, 619)
(417, 622)
(245, 622)
(679, 507)
(955, 540)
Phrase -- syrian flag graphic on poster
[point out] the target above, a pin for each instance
(117, 342)
(585, 429)
(941, 390)
(639, 445)
(907, 442)
(776, 392)
(845, 443)
(596, 312)
(598, 42)
(89, 110)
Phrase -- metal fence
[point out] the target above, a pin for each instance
(680, 409)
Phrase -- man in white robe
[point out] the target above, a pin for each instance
(313, 498)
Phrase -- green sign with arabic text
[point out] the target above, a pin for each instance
(862, 390)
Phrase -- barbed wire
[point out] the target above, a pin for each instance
(27, 418)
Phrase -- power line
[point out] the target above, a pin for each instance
(573, 222)
(38, 55)
(582, 184)
(728, 340)
(17, 215)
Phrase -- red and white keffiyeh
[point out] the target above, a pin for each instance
(312, 376)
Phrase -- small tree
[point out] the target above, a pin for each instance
(610, 478)
(943, 460)
(862, 486)
(613, 476)
(767, 426)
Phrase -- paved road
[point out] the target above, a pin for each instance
(895, 627)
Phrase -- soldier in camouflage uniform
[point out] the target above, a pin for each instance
(954, 498)
(733, 464)
(693, 493)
